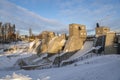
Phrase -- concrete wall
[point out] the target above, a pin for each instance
(74, 43)
(101, 30)
(46, 37)
(57, 44)
(77, 36)
(109, 43)
(78, 30)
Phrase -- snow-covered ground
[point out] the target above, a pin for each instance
(14, 48)
(105, 67)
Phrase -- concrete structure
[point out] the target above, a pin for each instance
(78, 30)
(77, 36)
(73, 44)
(110, 43)
(46, 37)
(105, 38)
(101, 30)
(56, 45)
(118, 41)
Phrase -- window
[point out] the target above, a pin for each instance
(79, 28)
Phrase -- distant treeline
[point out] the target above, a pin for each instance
(7, 32)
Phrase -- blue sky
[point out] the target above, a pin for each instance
(56, 15)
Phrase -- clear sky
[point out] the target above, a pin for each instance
(56, 15)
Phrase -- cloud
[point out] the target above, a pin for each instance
(68, 11)
(91, 11)
(24, 19)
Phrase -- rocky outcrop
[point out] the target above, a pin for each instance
(78, 30)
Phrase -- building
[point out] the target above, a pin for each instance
(110, 47)
(78, 30)
(77, 37)
(102, 30)
(106, 39)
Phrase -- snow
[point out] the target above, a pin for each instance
(98, 68)
(8, 61)
(104, 67)
(52, 58)
(88, 46)
(1, 51)
(34, 46)
(17, 48)
(40, 58)
(31, 44)
(98, 47)
(17, 77)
